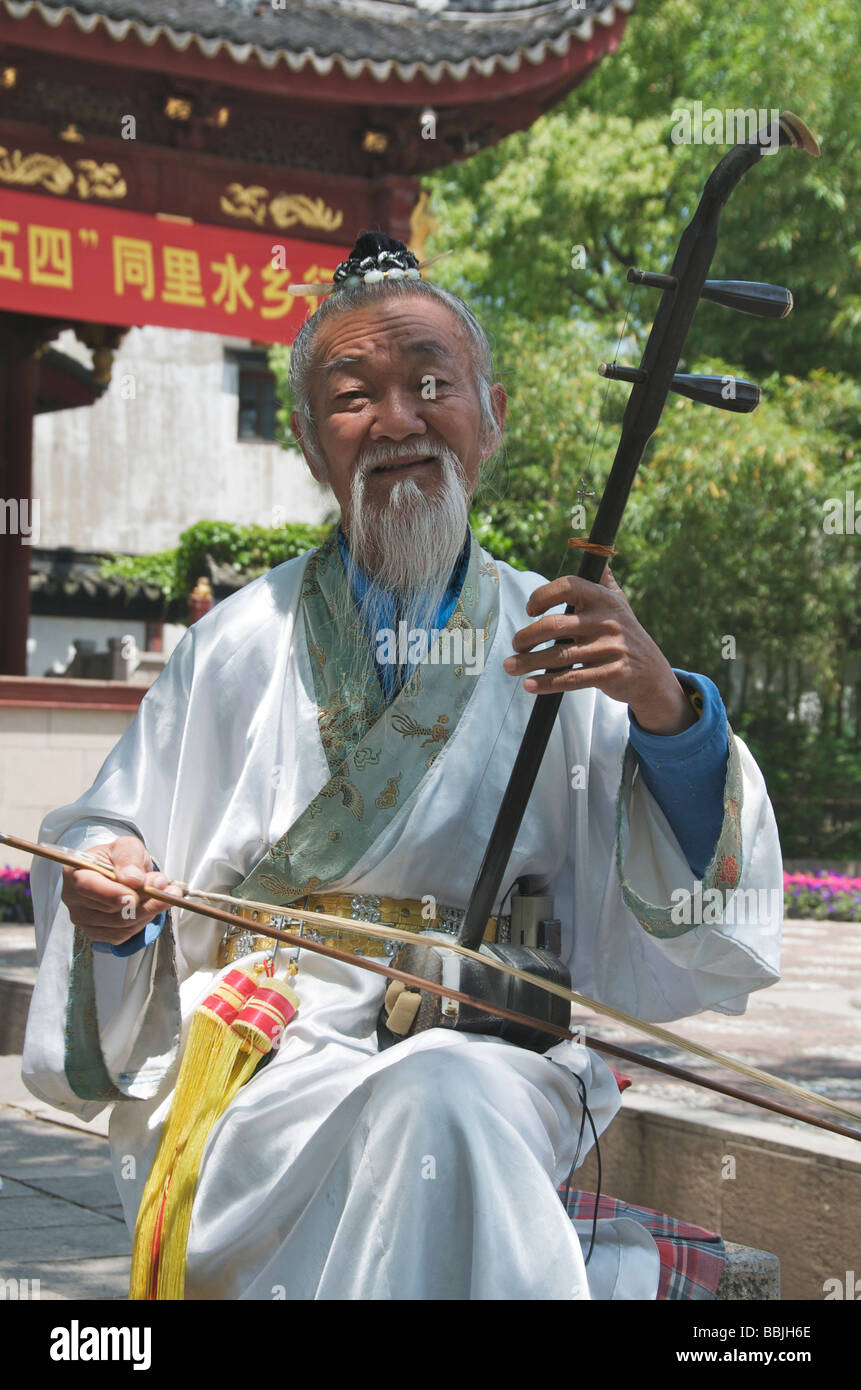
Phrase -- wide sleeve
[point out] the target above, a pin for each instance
(648, 937)
(102, 1026)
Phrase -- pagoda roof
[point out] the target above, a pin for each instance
(405, 39)
(71, 581)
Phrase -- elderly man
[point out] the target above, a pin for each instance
(286, 755)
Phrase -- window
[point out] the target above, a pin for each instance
(257, 402)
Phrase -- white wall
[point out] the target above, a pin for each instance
(159, 452)
(48, 758)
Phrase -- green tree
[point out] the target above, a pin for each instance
(724, 533)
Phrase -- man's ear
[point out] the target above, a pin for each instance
(499, 400)
(315, 464)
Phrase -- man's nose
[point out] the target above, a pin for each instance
(397, 416)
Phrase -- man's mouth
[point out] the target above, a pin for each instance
(403, 464)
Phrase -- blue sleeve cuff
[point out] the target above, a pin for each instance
(686, 773)
(662, 750)
(139, 942)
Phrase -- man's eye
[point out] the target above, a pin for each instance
(350, 395)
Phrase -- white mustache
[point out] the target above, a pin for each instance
(387, 453)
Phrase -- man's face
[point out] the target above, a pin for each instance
(389, 375)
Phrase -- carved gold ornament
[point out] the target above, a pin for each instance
(53, 173)
(99, 180)
(237, 201)
(48, 170)
(285, 209)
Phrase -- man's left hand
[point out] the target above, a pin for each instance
(615, 653)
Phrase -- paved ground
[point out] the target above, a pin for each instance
(60, 1215)
(60, 1219)
(806, 1029)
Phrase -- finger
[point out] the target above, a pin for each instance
(130, 859)
(569, 589)
(602, 652)
(556, 627)
(137, 916)
(583, 678)
(151, 907)
(87, 885)
(566, 627)
(549, 659)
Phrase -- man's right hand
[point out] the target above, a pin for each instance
(114, 912)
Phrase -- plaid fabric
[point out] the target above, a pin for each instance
(692, 1259)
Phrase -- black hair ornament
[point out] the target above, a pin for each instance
(375, 257)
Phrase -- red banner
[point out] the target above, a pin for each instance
(72, 260)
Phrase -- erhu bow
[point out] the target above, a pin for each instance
(683, 287)
(203, 903)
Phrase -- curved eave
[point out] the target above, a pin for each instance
(308, 62)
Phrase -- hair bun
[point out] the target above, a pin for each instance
(376, 256)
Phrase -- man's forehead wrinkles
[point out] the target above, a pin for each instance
(426, 348)
(390, 335)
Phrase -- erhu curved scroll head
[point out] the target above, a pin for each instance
(794, 132)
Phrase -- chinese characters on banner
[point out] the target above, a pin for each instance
(71, 260)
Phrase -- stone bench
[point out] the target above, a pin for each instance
(14, 1003)
(749, 1276)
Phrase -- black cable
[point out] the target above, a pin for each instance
(586, 1114)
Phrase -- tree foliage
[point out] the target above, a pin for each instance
(724, 535)
(249, 550)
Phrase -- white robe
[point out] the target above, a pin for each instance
(428, 1170)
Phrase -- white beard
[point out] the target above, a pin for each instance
(409, 546)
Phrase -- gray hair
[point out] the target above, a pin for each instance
(350, 297)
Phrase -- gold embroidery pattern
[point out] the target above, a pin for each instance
(317, 652)
(389, 797)
(273, 884)
(343, 724)
(351, 797)
(366, 757)
(405, 725)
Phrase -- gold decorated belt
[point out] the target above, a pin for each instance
(408, 914)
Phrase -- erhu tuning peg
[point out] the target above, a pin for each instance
(725, 392)
(749, 297)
